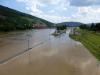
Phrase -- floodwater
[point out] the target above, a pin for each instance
(49, 55)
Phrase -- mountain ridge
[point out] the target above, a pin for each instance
(71, 24)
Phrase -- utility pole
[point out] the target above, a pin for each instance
(28, 40)
(98, 65)
(28, 46)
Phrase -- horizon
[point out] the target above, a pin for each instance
(70, 11)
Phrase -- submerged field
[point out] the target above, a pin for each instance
(90, 40)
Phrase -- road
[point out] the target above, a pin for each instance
(49, 55)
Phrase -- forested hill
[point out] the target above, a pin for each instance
(11, 19)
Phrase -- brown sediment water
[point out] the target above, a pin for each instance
(55, 56)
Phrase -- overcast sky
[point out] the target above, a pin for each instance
(57, 11)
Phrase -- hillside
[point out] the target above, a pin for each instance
(70, 24)
(11, 19)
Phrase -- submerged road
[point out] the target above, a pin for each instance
(53, 56)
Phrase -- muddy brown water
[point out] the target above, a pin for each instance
(54, 56)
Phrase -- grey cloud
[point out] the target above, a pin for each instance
(84, 2)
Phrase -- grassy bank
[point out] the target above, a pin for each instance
(90, 40)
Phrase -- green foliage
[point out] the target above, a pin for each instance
(84, 26)
(97, 27)
(93, 27)
(61, 27)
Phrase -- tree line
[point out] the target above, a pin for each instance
(61, 27)
(93, 27)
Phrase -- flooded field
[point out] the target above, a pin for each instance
(49, 55)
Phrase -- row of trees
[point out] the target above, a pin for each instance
(61, 27)
(93, 27)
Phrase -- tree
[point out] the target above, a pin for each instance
(61, 27)
(92, 27)
(97, 27)
(84, 26)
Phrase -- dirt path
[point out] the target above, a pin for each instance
(57, 56)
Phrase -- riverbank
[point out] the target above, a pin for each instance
(90, 40)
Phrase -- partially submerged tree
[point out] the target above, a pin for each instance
(61, 27)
